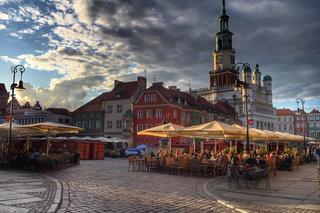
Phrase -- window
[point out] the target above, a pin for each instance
(153, 98)
(312, 134)
(149, 113)
(91, 125)
(317, 117)
(78, 124)
(298, 125)
(140, 114)
(279, 119)
(318, 134)
(98, 124)
(119, 124)
(311, 118)
(109, 109)
(290, 128)
(85, 124)
(147, 98)
(119, 108)
(290, 118)
(109, 124)
(158, 113)
(317, 125)
(240, 110)
(139, 127)
(285, 127)
(175, 114)
(183, 116)
(279, 127)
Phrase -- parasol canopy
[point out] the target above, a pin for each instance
(53, 128)
(164, 131)
(19, 130)
(213, 129)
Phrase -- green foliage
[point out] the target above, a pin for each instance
(46, 162)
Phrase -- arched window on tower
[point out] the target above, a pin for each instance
(230, 43)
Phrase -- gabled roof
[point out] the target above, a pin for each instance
(183, 99)
(314, 111)
(281, 112)
(58, 111)
(122, 90)
(3, 88)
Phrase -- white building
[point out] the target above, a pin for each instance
(118, 106)
(223, 77)
(285, 120)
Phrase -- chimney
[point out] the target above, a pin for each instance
(142, 82)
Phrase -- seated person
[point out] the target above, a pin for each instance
(262, 162)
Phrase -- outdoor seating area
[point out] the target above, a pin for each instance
(243, 163)
(28, 150)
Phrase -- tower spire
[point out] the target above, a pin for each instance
(224, 12)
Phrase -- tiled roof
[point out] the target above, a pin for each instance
(224, 108)
(284, 111)
(193, 102)
(174, 96)
(3, 88)
(59, 111)
(122, 90)
(314, 111)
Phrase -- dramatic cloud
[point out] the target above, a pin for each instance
(173, 40)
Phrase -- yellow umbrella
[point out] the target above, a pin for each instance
(164, 131)
(213, 129)
(54, 128)
(51, 128)
(272, 136)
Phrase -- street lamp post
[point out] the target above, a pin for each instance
(14, 85)
(303, 119)
(244, 85)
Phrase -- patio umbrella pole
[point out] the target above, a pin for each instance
(215, 146)
(236, 148)
(194, 146)
(48, 141)
(277, 145)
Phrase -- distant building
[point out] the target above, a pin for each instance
(90, 117)
(118, 106)
(314, 124)
(285, 120)
(26, 116)
(4, 97)
(158, 105)
(301, 123)
(224, 74)
(110, 114)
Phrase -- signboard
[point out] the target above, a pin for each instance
(250, 122)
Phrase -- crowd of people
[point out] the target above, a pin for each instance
(275, 160)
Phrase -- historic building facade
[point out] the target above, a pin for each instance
(158, 105)
(224, 75)
(285, 120)
(314, 124)
(110, 114)
(301, 123)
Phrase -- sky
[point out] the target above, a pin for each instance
(73, 50)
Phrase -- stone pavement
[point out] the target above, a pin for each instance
(26, 192)
(291, 191)
(107, 186)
